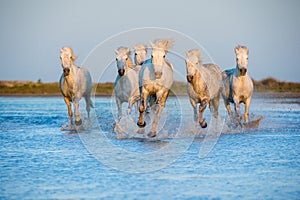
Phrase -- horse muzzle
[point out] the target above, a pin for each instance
(189, 78)
(66, 71)
(121, 72)
(158, 75)
(243, 71)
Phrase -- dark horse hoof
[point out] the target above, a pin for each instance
(78, 123)
(141, 125)
(203, 124)
(151, 135)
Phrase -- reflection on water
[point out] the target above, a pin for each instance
(37, 159)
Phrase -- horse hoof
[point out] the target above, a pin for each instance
(151, 135)
(141, 125)
(203, 124)
(78, 123)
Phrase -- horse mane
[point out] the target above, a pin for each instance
(70, 51)
(165, 44)
(138, 47)
(241, 48)
(196, 53)
(169, 65)
(123, 50)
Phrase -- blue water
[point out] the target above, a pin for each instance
(39, 161)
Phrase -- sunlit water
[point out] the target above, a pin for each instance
(39, 161)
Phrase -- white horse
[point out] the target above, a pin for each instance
(126, 84)
(140, 56)
(204, 85)
(238, 86)
(75, 83)
(155, 78)
(140, 53)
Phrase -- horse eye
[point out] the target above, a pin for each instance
(151, 56)
(116, 59)
(135, 54)
(164, 56)
(126, 59)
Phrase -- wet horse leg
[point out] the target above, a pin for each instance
(202, 107)
(119, 105)
(194, 105)
(69, 110)
(132, 101)
(78, 121)
(215, 102)
(160, 104)
(141, 123)
(247, 105)
(88, 104)
(237, 109)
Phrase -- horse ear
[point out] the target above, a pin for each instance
(187, 53)
(74, 57)
(116, 51)
(236, 50)
(127, 51)
(61, 50)
(151, 44)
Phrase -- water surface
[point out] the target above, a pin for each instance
(38, 160)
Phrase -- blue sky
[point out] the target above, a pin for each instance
(33, 31)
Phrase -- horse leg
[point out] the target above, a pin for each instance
(215, 103)
(237, 109)
(78, 121)
(194, 105)
(141, 123)
(119, 105)
(88, 105)
(202, 107)
(69, 110)
(227, 106)
(132, 101)
(160, 104)
(247, 105)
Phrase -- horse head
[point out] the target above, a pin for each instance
(140, 52)
(123, 60)
(67, 59)
(193, 61)
(159, 50)
(241, 59)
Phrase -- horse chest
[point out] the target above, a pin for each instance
(241, 88)
(68, 89)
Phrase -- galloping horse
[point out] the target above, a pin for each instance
(238, 86)
(126, 84)
(140, 53)
(204, 85)
(75, 83)
(155, 78)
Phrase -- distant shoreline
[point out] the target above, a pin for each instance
(255, 95)
(266, 88)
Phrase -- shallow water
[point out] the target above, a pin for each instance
(38, 160)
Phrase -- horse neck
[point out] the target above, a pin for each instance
(71, 79)
(198, 82)
(129, 64)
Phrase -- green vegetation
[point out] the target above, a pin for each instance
(28, 88)
(178, 88)
(273, 85)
